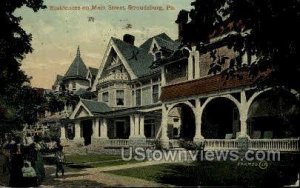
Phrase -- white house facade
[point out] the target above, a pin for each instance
(161, 92)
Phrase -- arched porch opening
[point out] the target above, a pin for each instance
(220, 119)
(181, 122)
(274, 114)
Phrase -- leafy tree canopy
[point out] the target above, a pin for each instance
(18, 102)
(265, 29)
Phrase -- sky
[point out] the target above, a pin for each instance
(56, 34)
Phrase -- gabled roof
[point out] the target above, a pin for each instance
(171, 45)
(163, 40)
(138, 59)
(93, 71)
(77, 69)
(96, 107)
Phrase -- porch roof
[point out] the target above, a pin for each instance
(96, 107)
(215, 83)
(134, 110)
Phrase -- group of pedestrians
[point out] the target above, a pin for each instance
(25, 163)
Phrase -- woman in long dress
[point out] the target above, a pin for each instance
(16, 176)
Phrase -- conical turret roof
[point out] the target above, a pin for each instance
(77, 69)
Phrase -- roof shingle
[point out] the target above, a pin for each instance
(96, 107)
(138, 58)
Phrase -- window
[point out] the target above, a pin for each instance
(155, 96)
(149, 128)
(154, 49)
(120, 98)
(73, 85)
(114, 57)
(155, 79)
(105, 97)
(175, 132)
(157, 56)
(176, 120)
(138, 97)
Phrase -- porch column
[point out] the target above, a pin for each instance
(164, 127)
(136, 125)
(132, 126)
(198, 122)
(103, 129)
(96, 128)
(243, 115)
(77, 130)
(62, 132)
(194, 60)
(142, 129)
(163, 76)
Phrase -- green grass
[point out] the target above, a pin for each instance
(150, 173)
(95, 160)
(113, 163)
(90, 158)
(209, 174)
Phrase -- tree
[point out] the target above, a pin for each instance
(14, 45)
(265, 29)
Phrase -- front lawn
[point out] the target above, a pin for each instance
(76, 158)
(212, 174)
(150, 173)
(95, 160)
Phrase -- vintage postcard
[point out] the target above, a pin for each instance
(156, 93)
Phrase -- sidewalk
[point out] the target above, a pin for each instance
(97, 177)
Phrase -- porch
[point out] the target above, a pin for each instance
(283, 145)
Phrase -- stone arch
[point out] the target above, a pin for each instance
(273, 115)
(178, 103)
(181, 121)
(227, 126)
(254, 96)
(230, 97)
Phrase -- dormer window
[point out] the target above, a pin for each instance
(73, 85)
(157, 55)
(114, 57)
(154, 49)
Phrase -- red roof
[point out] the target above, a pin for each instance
(205, 85)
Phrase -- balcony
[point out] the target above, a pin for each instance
(114, 77)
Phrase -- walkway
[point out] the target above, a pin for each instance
(97, 177)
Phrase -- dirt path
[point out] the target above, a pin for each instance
(97, 177)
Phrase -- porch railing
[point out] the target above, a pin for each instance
(291, 144)
(126, 143)
(150, 142)
(116, 76)
(216, 144)
(174, 143)
(117, 142)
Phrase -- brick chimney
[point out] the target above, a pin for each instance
(129, 39)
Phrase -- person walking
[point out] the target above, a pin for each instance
(60, 159)
(16, 176)
(7, 155)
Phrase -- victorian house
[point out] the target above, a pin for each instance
(163, 91)
(127, 109)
